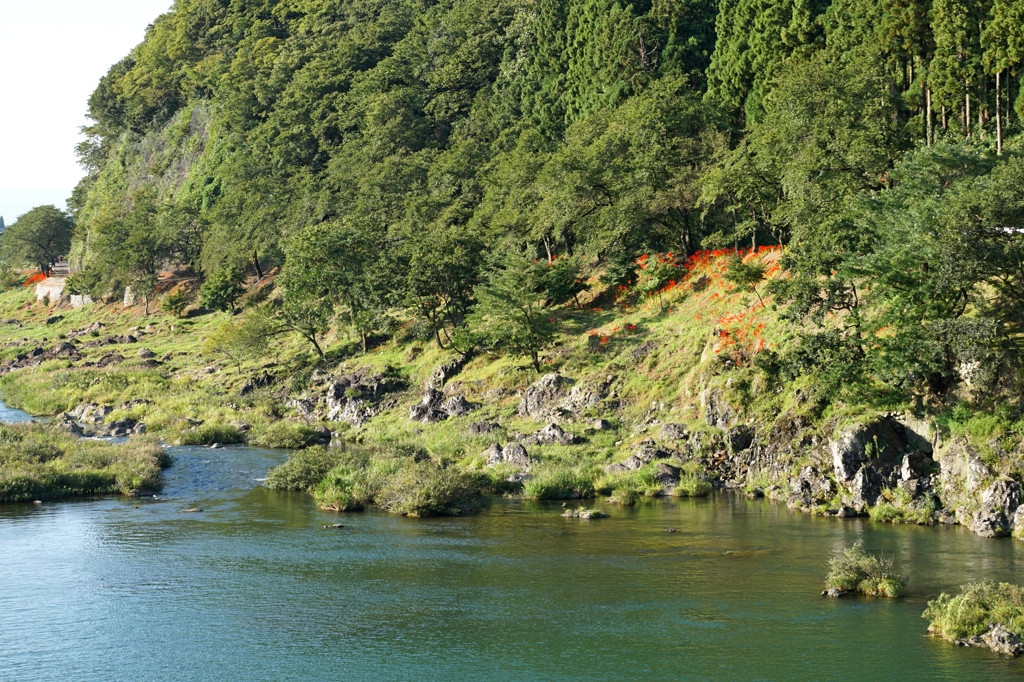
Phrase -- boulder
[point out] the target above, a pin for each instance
(674, 432)
(90, 413)
(482, 427)
(445, 371)
(516, 455)
(456, 406)
(882, 442)
(146, 354)
(494, 455)
(667, 475)
(601, 425)
(633, 463)
(359, 396)
(1002, 641)
(615, 469)
(542, 398)
(63, 350)
(865, 489)
(553, 434)
(649, 451)
(999, 504)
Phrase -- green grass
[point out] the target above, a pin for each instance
(863, 573)
(39, 462)
(897, 506)
(969, 612)
(560, 483)
(208, 434)
(305, 469)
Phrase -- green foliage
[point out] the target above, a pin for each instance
(37, 237)
(974, 608)
(176, 300)
(305, 469)
(429, 489)
(559, 483)
(241, 339)
(858, 571)
(40, 462)
(208, 434)
(284, 434)
(221, 289)
(510, 315)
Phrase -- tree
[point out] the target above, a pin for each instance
(221, 289)
(241, 338)
(38, 237)
(745, 274)
(510, 315)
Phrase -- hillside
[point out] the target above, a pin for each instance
(671, 392)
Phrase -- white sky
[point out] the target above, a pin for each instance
(52, 55)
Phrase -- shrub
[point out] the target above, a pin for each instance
(39, 462)
(342, 489)
(284, 434)
(221, 289)
(177, 300)
(625, 494)
(305, 469)
(899, 507)
(208, 434)
(969, 613)
(858, 571)
(692, 486)
(559, 484)
(428, 489)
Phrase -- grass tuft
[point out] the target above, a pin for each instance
(970, 612)
(858, 571)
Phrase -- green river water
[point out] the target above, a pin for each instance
(254, 588)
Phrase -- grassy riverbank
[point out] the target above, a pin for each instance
(39, 462)
(659, 394)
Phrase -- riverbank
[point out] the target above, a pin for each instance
(40, 462)
(638, 397)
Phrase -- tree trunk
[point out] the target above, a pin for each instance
(929, 127)
(999, 118)
(256, 262)
(945, 123)
(547, 248)
(312, 340)
(967, 113)
(536, 360)
(362, 337)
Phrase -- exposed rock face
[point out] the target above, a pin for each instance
(999, 504)
(866, 487)
(542, 398)
(38, 356)
(717, 412)
(674, 432)
(90, 413)
(667, 475)
(997, 638)
(358, 397)
(443, 373)
(146, 354)
(513, 453)
(552, 434)
(810, 487)
(482, 427)
(649, 451)
(257, 382)
(456, 406)
(739, 438)
(883, 442)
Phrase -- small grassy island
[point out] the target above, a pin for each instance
(857, 572)
(39, 462)
(982, 614)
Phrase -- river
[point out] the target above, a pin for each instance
(254, 588)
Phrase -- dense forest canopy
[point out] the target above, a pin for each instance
(404, 155)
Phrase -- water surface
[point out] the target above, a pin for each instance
(254, 588)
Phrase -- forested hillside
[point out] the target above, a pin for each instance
(408, 162)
